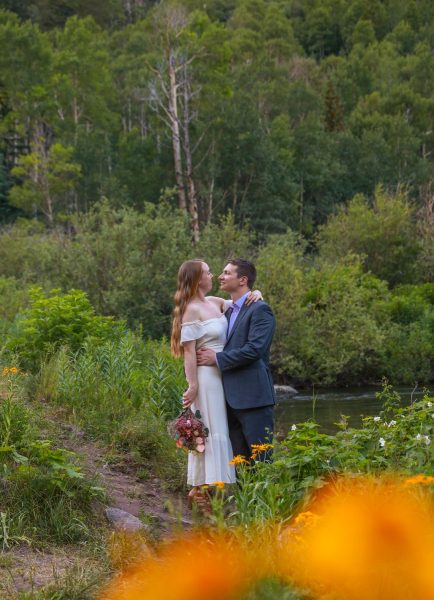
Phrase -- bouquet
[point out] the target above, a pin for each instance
(189, 431)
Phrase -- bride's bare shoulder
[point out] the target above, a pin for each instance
(217, 301)
(191, 313)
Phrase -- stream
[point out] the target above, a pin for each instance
(330, 404)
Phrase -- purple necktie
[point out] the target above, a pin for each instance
(232, 317)
(228, 315)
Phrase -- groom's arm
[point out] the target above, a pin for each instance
(261, 331)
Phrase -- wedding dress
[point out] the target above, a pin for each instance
(213, 464)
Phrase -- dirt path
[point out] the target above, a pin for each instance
(26, 570)
(148, 499)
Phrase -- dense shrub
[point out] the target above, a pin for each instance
(126, 261)
(58, 319)
(30, 252)
(223, 240)
(327, 330)
(384, 234)
(347, 337)
(13, 299)
(281, 278)
(407, 354)
(336, 323)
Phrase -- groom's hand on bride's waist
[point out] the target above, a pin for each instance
(205, 357)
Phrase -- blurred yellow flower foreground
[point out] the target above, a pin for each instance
(371, 539)
(361, 539)
(191, 568)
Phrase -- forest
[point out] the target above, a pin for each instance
(134, 135)
(137, 134)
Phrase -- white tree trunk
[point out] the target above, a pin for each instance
(174, 124)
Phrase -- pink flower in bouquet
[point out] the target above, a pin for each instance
(189, 431)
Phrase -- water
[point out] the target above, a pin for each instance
(331, 404)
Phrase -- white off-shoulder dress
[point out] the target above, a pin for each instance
(213, 464)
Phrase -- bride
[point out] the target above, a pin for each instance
(198, 321)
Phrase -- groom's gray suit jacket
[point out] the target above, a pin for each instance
(244, 360)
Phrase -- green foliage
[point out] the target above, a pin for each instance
(346, 336)
(408, 352)
(165, 380)
(45, 496)
(351, 78)
(55, 320)
(281, 279)
(271, 589)
(15, 428)
(122, 392)
(383, 234)
(145, 437)
(103, 382)
(224, 240)
(13, 299)
(127, 262)
(55, 13)
(27, 251)
(410, 303)
(327, 329)
(399, 440)
(46, 177)
(109, 380)
(336, 323)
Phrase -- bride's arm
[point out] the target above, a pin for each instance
(190, 367)
(254, 296)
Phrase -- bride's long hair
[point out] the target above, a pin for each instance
(189, 276)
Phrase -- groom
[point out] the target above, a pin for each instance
(243, 362)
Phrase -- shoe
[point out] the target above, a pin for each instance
(201, 498)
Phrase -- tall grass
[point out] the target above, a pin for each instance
(123, 392)
(44, 495)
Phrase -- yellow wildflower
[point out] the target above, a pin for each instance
(419, 479)
(8, 370)
(306, 518)
(259, 448)
(220, 485)
(238, 460)
(303, 522)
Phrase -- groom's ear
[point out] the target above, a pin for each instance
(244, 280)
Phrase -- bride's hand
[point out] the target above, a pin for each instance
(254, 297)
(189, 396)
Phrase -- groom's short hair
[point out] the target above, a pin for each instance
(245, 269)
